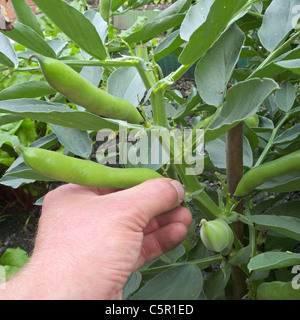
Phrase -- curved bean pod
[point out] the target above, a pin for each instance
(83, 172)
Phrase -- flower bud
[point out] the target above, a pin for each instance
(216, 235)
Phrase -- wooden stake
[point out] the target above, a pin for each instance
(234, 172)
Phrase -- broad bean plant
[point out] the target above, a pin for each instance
(99, 84)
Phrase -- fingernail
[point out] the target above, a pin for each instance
(180, 190)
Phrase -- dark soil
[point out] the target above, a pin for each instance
(18, 229)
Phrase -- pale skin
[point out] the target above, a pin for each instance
(90, 240)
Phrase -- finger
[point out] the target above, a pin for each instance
(143, 202)
(161, 241)
(179, 214)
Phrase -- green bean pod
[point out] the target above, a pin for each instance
(105, 6)
(87, 173)
(77, 89)
(259, 175)
(277, 290)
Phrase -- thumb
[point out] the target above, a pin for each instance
(149, 199)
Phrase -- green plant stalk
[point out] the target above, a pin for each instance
(207, 206)
(252, 232)
(271, 140)
(104, 63)
(201, 263)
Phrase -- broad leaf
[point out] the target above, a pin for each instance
(76, 141)
(274, 260)
(56, 113)
(25, 36)
(194, 18)
(167, 19)
(215, 284)
(289, 135)
(286, 96)
(293, 65)
(75, 25)
(168, 45)
(288, 226)
(100, 25)
(176, 283)
(242, 101)
(214, 70)
(132, 284)
(278, 21)
(286, 183)
(220, 14)
(217, 152)
(273, 68)
(8, 55)
(31, 89)
(127, 84)
(26, 16)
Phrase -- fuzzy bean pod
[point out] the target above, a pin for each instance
(87, 173)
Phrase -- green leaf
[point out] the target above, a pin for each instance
(242, 101)
(217, 152)
(127, 84)
(8, 138)
(194, 18)
(168, 45)
(56, 113)
(8, 118)
(26, 16)
(214, 70)
(215, 284)
(293, 65)
(177, 283)
(288, 226)
(14, 257)
(290, 209)
(25, 36)
(75, 25)
(286, 96)
(273, 260)
(8, 55)
(272, 68)
(31, 89)
(132, 284)
(220, 14)
(76, 141)
(277, 23)
(286, 183)
(27, 132)
(289, 135)
(98, 22)
(167, 19)
(154, 28)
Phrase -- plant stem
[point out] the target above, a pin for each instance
(201, 263)
(271, 140)
(104, 63)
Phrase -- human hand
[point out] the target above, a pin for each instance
(90, 240)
